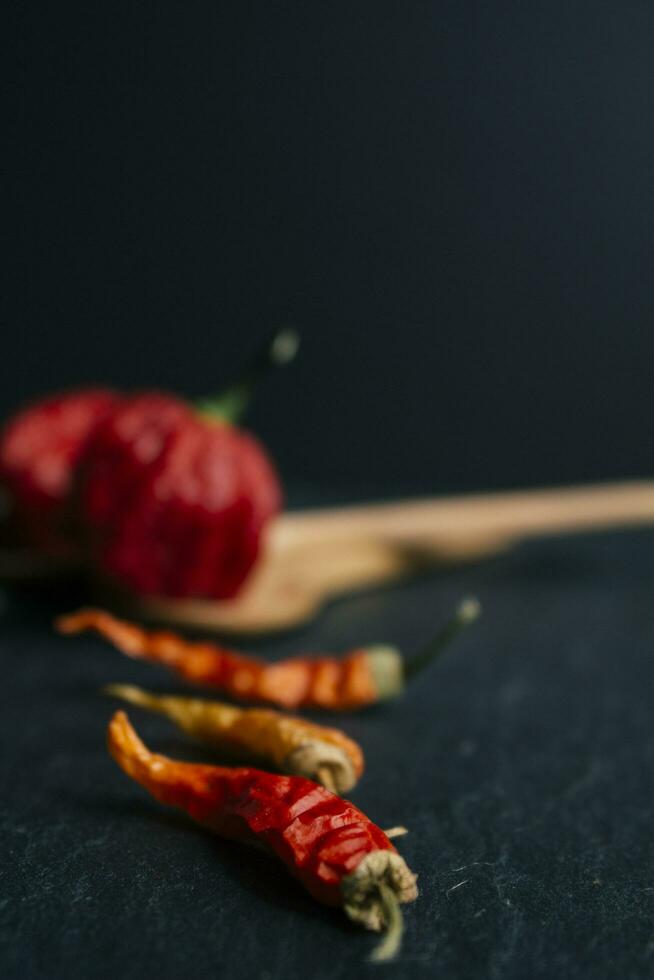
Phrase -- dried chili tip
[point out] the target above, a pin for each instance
(305, 825)
(286, 742)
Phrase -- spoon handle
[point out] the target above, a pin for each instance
(483, 522)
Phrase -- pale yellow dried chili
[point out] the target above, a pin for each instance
(285, 742)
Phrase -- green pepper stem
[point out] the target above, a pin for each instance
(466, 613)
(232, 402)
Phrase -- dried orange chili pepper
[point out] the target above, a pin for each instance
(336, 852)
(288, 743)
(361, 677)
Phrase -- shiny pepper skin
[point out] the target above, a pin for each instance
(39, 450)
(175, 502)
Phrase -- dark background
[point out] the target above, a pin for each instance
(452, 200)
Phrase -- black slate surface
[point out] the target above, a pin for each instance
(522, 764)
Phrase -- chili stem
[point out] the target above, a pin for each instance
(392, 940)
(232, 402)
(466, 613)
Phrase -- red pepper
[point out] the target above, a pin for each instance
(331, 847)
(175, 497)
(361, 677)
(175, 501)
(39, 450)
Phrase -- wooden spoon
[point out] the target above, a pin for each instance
(311, 557)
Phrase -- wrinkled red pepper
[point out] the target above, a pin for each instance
(174, 500)
(163, 498)
(330, 846)
(40, 448)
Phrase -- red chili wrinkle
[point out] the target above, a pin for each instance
(122, 459)
(203, 471)
(319, 837)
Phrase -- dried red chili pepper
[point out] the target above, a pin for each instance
(362, 677)
(39, 450)
(330, 846)
(286, 742)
